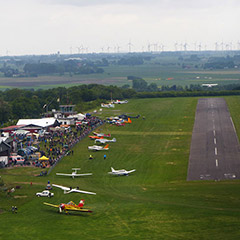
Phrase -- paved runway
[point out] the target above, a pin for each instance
(215, 149)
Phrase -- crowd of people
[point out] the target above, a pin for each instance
(58, 142)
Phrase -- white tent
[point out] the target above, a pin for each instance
(42, 122)
(79, 116)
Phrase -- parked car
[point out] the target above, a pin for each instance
(45, 193)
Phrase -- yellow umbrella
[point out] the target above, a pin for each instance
(43, 158)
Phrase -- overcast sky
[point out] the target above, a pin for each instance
(49, 26)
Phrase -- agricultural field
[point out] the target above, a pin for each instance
(162, 71)
(155, 202)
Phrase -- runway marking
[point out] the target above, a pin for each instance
(214, 133)
(233, 124)
(216, 151)
(215, 141)
(216, 163)
(213, 126)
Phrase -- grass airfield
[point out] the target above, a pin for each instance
(155, 202)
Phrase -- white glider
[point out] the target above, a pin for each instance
(72, 190)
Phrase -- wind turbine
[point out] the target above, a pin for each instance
(199, 47)
(185, 46)
(222, 45)
(176, 46)
(195, 46)
(80, 49)
(108, 49)
(149, 47)
(118, 48)
(130, 45)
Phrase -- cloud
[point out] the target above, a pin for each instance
(166, 4)
(50, 25)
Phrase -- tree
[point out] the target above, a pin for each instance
(140, 85)
(5, 111)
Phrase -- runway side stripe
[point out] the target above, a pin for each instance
(234, 129)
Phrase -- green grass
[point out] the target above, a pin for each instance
(154, 72)
(155, 202)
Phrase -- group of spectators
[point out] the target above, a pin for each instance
(57, 144)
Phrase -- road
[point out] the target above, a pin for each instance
(215, 149)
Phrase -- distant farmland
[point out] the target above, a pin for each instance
(117, 75)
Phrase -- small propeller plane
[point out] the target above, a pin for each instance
(102, 134)
(72, 190)
(74, 173)
(103, 140)
(95, 137)
(121, 172)
(70, 206)
(209, 84)
(98, 148)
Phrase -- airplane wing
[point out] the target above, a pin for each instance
(64, 174)
(82, 174)
(131, 171)
(51, 205)
(79, 209)
(62, 187)
(81, 191)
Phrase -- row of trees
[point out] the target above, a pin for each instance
(35, 69)
(19, 103)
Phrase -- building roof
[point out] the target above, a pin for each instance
(14, 127)
(42, 122)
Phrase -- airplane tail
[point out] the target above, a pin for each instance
(106, 147)
(81, 203)
(113, 170)
(114, 140)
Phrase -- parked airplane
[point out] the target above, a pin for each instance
(94, 137)
(103, 140)
(74, 173)
(98, 148)
(107, 105)
(209, 84)
(120, 102)
(72, 190)
(121, 172)
(102, 134)
(70, 206)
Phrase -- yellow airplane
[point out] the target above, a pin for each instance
(70, 206)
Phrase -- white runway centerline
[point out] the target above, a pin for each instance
(216, 163)
(215, 151)
(215, 141)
